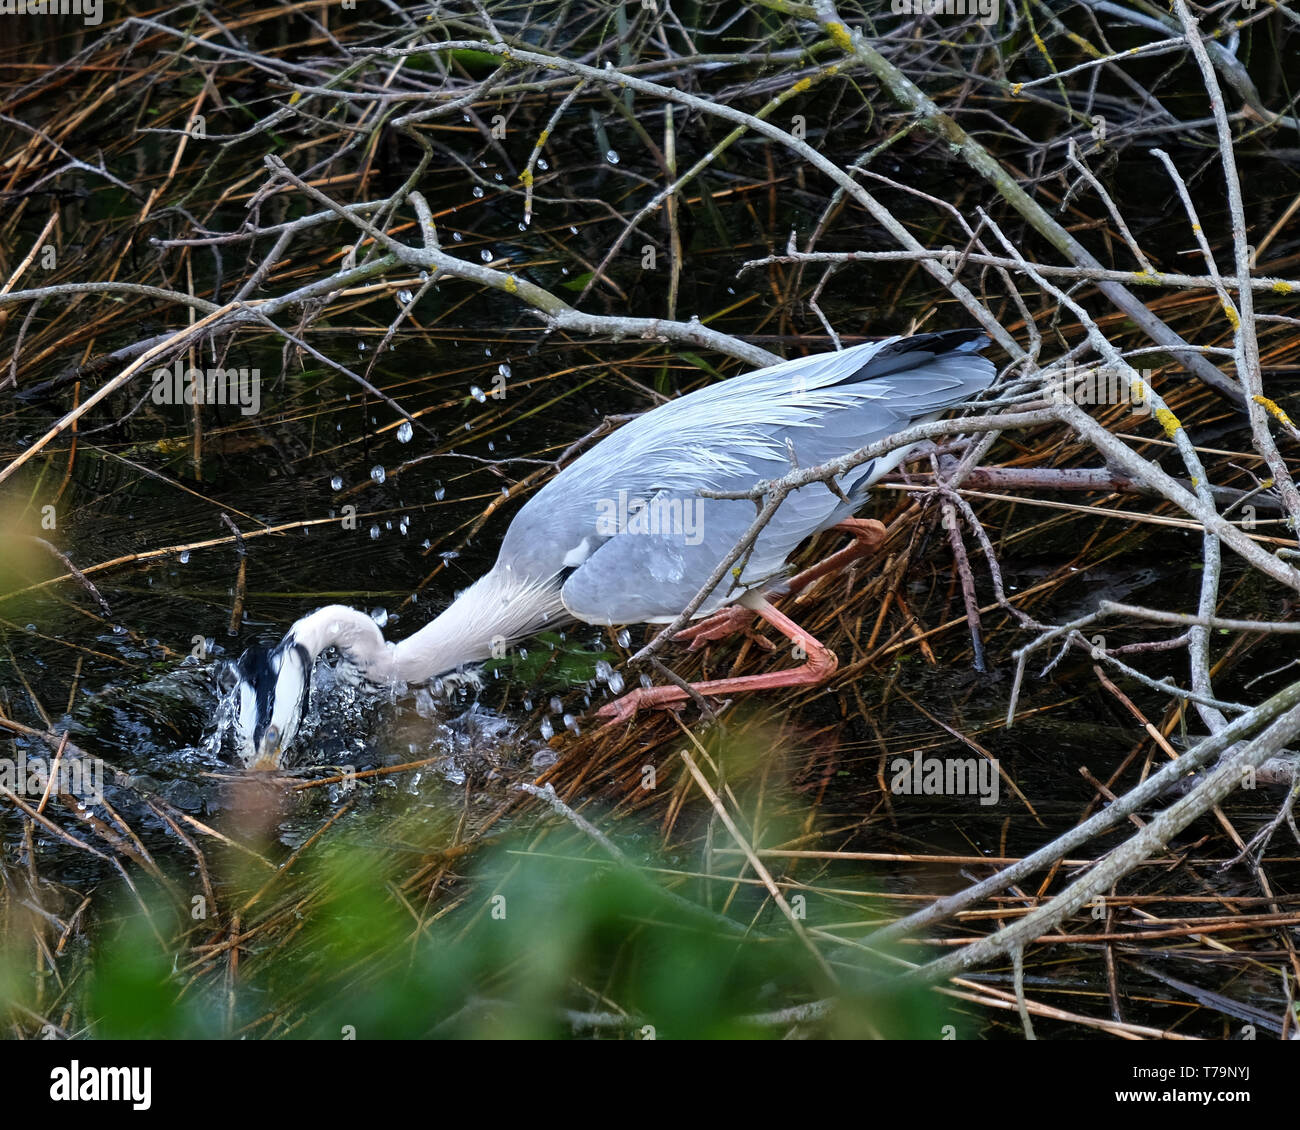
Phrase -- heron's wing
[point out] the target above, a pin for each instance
(656, 553)
(727, 437)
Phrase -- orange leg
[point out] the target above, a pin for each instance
(820, 666)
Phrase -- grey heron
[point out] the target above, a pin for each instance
(622, 535)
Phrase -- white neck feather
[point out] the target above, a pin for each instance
(496, 608)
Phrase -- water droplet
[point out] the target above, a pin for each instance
(478, 192)
(374, 531)
(612, 157)
(185, 557)
(645, 681)
(504, 369)
(477, 393)
(491, 446)
(541, 164)
(456, 236)
(485, 255)
(378, 474)
(548, 731)
(523, 226)
(616, 682)
(624, 637)
(603, 671)
(571, 723)
(404, 432)
(557, 707)
(496, 176)
(404, 297)
(424, 276)
(379, 616)
(361, 347)
(440, 492)
(573, 230)
(337, 482)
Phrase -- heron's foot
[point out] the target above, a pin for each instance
(729, 621)
(622, 709)
(819, 665)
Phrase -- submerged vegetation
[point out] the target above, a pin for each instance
(421, 257)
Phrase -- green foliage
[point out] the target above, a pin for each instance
(552, 658)
(541, 946)
(135, 993)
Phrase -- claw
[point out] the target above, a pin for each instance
(730, 621)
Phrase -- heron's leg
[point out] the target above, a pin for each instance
(819, 666)
(867, 536)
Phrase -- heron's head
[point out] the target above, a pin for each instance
(271, 687)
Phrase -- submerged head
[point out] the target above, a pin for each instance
(271, 685)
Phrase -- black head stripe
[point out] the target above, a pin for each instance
(304, 657)
(255, 668)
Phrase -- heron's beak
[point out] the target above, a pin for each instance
(267, 757)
